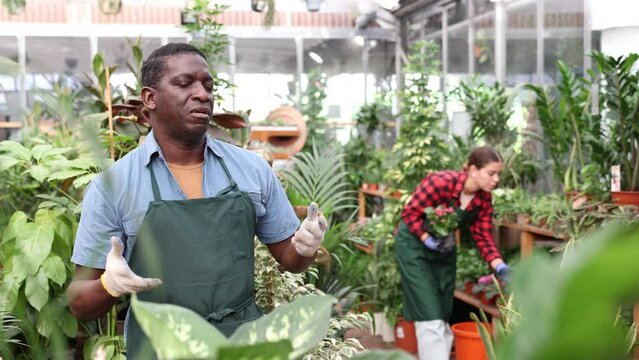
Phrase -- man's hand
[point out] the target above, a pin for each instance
(311, 233)
(118, 278)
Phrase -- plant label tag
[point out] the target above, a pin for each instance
(594, 99)
(615, 178)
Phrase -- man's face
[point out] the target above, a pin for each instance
(183, 99)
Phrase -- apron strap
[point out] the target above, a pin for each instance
(218, 316)
(233, 186)
(154, 185)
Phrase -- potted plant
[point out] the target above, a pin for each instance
(620, 86)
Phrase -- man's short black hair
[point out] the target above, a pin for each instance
(155, 64)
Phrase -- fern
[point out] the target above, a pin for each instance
(319, 176)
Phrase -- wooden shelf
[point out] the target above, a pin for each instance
(468, 299)
(10, 124)
(361, 197)
(527, 237)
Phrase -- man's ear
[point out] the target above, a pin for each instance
(148, 97)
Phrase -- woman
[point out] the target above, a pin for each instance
(427, 264)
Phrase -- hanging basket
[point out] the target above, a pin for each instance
(313, 5)
(14, 7)
(258, 5)
(110, 7)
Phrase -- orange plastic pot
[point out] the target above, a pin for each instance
(468, 344)
(405, 337)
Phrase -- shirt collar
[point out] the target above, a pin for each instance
(459, 185)
(151, 147)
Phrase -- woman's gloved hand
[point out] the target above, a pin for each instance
(503, 272)
(442, 245)
(118, 278)
(431, 243)
(311, 233)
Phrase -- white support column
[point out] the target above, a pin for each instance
(471, 37)
(444, 75)
(541, 15)
(399, 85)
(22, 60)
(365, 57)
(299, 50)
(500, 40)
(232, 61)
(587, 35)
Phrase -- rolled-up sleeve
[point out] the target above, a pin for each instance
(482, 232)
(279, 221)
(98, 223)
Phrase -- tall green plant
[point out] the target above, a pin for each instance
(489, 108)
(311, 107)
(208, 36)
(621, 99)
(572, 132)
(421, 146)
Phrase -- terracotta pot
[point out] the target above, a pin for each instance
(523, 219)
(625, 197)
(301, 211)
(405, 337)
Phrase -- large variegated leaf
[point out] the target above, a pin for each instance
(384, 355)
(304, 322)
(177, 332)
(266, 351)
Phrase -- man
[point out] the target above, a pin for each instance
(175, 219)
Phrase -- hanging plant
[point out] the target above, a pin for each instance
(258, 5)
(110, 7)
(14, 7)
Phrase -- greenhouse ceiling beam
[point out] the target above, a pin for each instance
(240, 32)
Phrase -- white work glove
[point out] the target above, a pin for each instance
(118, 278)
(311, 233)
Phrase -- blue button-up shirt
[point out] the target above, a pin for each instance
(116, 201)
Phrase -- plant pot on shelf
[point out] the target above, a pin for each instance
(523, 219)
(405, 337)
(383, 328)
(625, 197)
(468, 343)
(370, 186)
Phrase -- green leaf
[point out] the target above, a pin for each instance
(68, 323)
(279, 350)
(9, 292)
(54, 269)
(384, 355)
(6, 162)
(33, 245)
(37, 290)
(39, 172)
(45, 217)
(177, 332)
(16, 149)
(38, 151)
(304, 322)
(66, 174)
(18, 219)
(45, 321)
(83, 180)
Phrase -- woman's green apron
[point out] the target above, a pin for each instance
(202, 250)
(428, 276)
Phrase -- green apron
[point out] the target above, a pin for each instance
(202, 250)
(428, 276)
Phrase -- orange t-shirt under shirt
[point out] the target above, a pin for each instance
(189, 177)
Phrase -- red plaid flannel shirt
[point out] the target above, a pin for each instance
(442, 187)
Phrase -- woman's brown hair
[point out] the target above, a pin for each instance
(481, 157)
